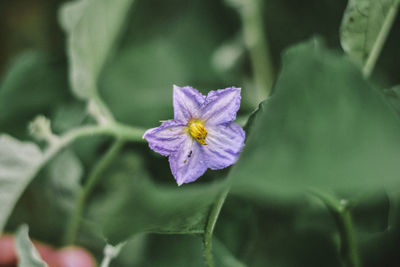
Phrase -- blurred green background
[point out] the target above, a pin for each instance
(197, 43)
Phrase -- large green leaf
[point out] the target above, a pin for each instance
(361, 24)
(324, 127)
(19, 162)
(134, 204)
(27, 254)
(92, 27)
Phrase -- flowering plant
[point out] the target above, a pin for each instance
(296, 166)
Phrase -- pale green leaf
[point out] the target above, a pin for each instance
(361, 24)
(27, 254)
(92, 26)
(19, 162)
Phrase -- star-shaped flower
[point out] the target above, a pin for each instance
(201, 135)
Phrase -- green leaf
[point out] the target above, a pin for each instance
(52, 194)
(92, 27)
(134, 204)
(27, 254)
(324, 127)
(361, 24)
(34, 77)
(224, 257)
(172, 250)
(134, 251)
(393, 96)
(19, 162)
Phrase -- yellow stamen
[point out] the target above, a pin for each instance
(197, 130)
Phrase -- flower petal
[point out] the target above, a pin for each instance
(167, 138)
(188, 163)
(187, 103)
(221, 106)
(224, 143)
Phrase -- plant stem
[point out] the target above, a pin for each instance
(381, 39)
(117, 130)
(99, 110)
(212, 220)
(94, 176)
(256, 42)
(340, 211)
(110, 252)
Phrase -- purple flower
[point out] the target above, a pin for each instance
(201, 135)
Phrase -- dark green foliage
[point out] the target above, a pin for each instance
(325, 127)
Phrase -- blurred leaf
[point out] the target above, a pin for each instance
(175, 46)
(27, 254)
(68, 116)
(92, 27)
(362, 21)
(141, 77)
(236, 229)
(135, 204)
(19, 162)
(224, 257)
(393, 96)
(52, 194)
(173, 250)
(280, 244)
(276, 234)
(394, 210)
(71, 115)
(370, 212)
(227, 56)
(32, 84)
(61, 185)
(166, 250)
(324, 127)
(132, 253)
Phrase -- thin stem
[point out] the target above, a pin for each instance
(114, 129)
(94, 176)
(110, 252)
(256, 42)
(381, 39)
(341, 213)
(103, 107)
(212, 220)
(117, 130)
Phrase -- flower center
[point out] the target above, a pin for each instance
(197, 130)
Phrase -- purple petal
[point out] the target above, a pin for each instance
(221, 106)
(224, 143)
(167, 138)
(187, 103)
(188, 163)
